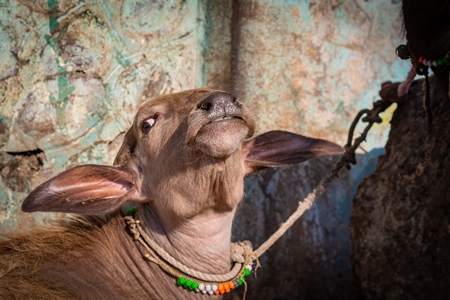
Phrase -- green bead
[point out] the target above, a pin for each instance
(194, 285)
(246, 272)
(440, 62)
(181, 281)
(241, 281)
(188, 283)
(131, 211)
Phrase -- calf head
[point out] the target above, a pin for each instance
(185, 153)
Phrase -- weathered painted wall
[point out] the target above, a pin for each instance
(309, 66)
(72, 74)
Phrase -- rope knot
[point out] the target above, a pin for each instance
(239, 251)
(132, 226)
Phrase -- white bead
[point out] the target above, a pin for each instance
(430, 63)
(210, 292)
(208, 287)
(214, 288)
(201, 286)
(435, 63)
(204, 291)
(248, 267)
(425, 62)
(197, 290)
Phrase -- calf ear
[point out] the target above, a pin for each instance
(282, 148)
(88, 189)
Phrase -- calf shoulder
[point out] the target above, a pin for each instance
(77, 258)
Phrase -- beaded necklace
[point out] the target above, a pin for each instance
(193, 280)
(421, 62)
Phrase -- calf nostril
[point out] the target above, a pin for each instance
(204, 106)
(218, 102)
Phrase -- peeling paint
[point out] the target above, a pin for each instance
(64, 90)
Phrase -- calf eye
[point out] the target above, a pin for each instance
(148, 124)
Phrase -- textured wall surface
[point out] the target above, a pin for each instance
(72, 74)
(401, 229)
(309, 66)
(76, 71)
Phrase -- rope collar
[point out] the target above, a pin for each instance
(242, 257)
(242, 253)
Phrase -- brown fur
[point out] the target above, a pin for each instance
(186, 172)
(27, 259)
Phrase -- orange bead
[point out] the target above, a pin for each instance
(227, 290)
(421, 59)
(217, 292)
(220, 286)
(226, 286)
(231, 284)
